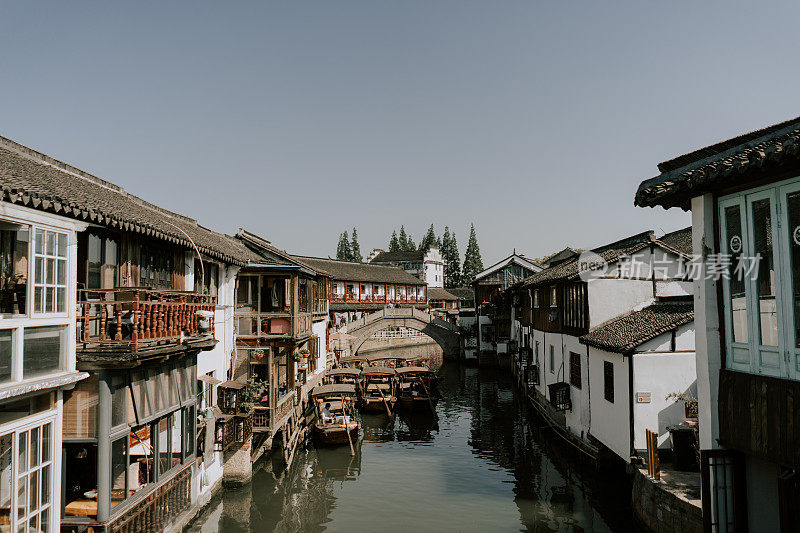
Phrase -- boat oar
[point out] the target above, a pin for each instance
(349, 439)
(385, 402)
(430, 402)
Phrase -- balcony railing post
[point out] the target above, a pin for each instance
(86, 322)
(136, 322)
(118, 318)
(103, 321)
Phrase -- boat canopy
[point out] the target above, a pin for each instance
(414, 370)
(343, 371)
(378, 371)
(353, 359)
(332, 390)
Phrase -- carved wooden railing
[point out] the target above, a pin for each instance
(138, 316)
(321, 306)
(284, 407)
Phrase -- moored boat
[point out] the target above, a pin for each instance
(378, 389)
(336, 422)
(345, 375)
(417, 389)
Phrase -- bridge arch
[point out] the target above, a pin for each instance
(445, 334)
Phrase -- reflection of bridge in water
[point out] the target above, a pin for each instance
(445, 334)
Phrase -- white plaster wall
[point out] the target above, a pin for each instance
(580, 417)
(660, 374)
(609, 298)
(707, 324)
(217, 360)
(320, 329)
(610, 421)
(673, 288)
(684, 337)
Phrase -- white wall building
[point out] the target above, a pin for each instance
(427, 266)
(38, 265)
(555, 309)
(744, 195)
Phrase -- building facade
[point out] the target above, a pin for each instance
(427, 266)
(608, 317)
(744, 196)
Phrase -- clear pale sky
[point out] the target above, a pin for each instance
(535, 121)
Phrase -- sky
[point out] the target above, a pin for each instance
(534, 121)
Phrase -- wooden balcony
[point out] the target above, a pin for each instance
(250, 324)
(321, 306)
(233, 429)
(134, 319)
(758, 415)
(154, 511)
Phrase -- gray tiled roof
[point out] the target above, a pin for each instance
(679, 241)
(35, 180)
(463, 293)
(391, 257)
(570, 269)
(438, 293)
(623, 334)
(345, 271)
(735, 161)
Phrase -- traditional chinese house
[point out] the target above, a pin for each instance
(744, 196)
(282, 334)
(145, 315)
(359, 288)
(569, 320)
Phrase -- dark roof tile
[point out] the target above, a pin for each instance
(623, 334)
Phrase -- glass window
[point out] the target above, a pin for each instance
(119, 400)
(553, 297)
(6, 354)
(50, 279)
(42, 350)
(164, 444)
(206, 277)
(80, 409)
(119, 470)
(737, 307)
(13, 267)
(6, 475)
(765, 283)
(793, 214)
(102, 262)
(34, 477)
(189, 423)
(141, 454)
(575, 370)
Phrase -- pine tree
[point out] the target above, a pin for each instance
(473, 264)
(347, 251)
(394, 243)
(403, 240)
(341, 253)
(428, 240)
(452, 264)
(355, 249)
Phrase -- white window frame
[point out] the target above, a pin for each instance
(783, 360)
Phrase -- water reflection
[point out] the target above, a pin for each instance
(480, 465)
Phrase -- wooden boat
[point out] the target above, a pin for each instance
(354, 361)
(416, 390)
(378, 389)
(342, 427)
(341, 375)
(386, 360)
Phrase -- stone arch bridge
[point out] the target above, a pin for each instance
(445, 334)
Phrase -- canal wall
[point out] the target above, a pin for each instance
(662, 507)
(412, 346)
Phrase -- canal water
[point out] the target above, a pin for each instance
(481, 466)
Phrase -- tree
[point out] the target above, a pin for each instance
(403, 240)
(394, 243)
(343, 251)
(452, 264)
(428, 240)
(355, 249)
(473, 264)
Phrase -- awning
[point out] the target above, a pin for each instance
(211, 380)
